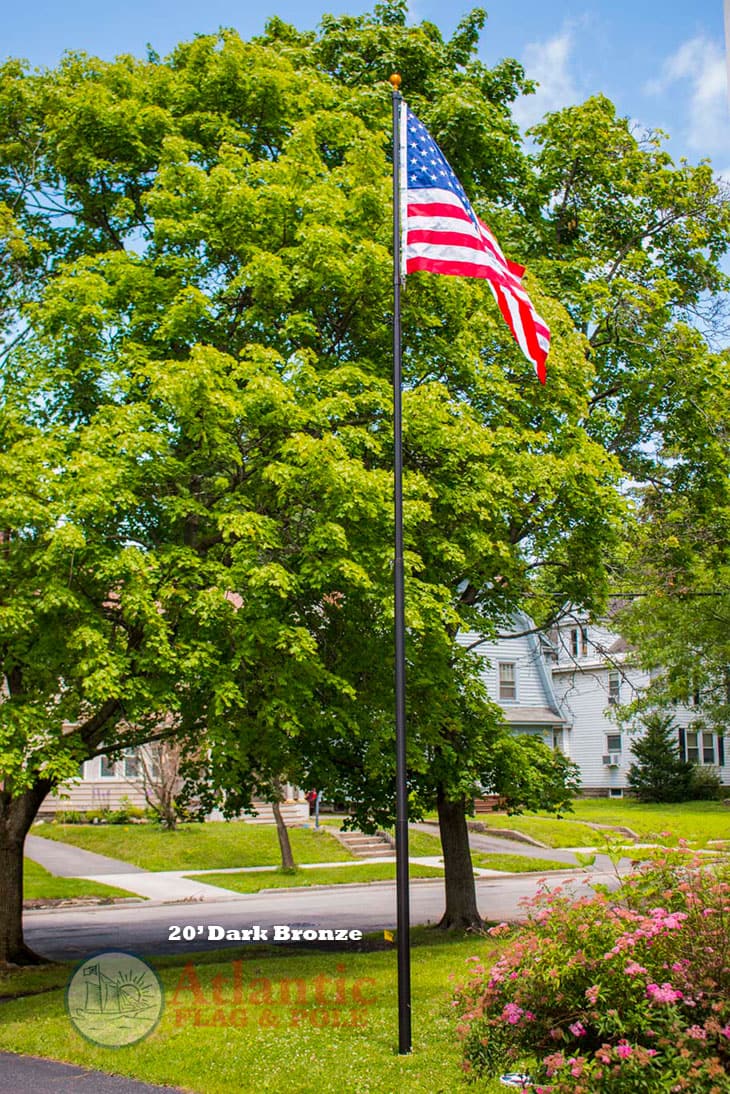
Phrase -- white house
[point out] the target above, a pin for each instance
(593, 673)
(517, 675)
(562, 687)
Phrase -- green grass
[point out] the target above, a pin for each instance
(38, 884)
(694, 821)
(216, 845)
(549, 830)
(339, 875)
(281, 1046)
(29, 981)
(515, 864)
(697, 822)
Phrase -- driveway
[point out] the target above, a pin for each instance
(33, 1075)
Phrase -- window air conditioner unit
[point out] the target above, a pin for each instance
(613, 759)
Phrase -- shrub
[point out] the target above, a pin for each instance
(659, 774)
(705, 784)
(624, 993)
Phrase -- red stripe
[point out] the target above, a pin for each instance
(445, 239)
(439, 209)
(451, 266)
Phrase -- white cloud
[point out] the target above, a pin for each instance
(548, 63)
(700, 63)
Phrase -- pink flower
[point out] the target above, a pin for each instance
(512, 1013)
(664, 994)
(624, 1049)
(698, 1033)
(501, 928)
(592, 993)
(554, 1062)
(577, 1068)
(633, 969)
(725, 1031)
(577, 1029)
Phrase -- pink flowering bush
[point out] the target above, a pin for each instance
(618, 993)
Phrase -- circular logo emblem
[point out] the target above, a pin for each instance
(114, 999)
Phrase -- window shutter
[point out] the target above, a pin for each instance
(720, 750)
(682, 744)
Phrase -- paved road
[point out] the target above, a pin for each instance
(66, 934)
(32, 1075)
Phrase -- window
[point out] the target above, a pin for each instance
(107, 768)
(574, 641)
(615, 792)
(700, 747)
(613, 742)
(693, 751)
(507, 680)
(584, 641)
(131, 764)
(708, 748)
(614, 687)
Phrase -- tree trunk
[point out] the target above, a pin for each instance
(16, 817)
(287, 858)
(461, 896)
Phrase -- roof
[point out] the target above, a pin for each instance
(533, 716)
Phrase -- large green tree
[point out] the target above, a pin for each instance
(197, 415)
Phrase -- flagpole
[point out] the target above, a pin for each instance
(401, 807)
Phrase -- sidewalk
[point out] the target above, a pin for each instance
(65, 860)
(168, 886)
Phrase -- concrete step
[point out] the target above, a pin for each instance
(291, 812)
(364, 846)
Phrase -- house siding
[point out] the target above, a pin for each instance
(582, 687)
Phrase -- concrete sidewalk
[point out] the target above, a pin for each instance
(65, 860)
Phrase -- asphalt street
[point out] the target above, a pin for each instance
(66, 934)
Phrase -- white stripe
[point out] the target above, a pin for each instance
(517, 329)
(450, 253)
(428, 194)
(445, 224)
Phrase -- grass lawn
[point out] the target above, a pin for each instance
(694, 821)
(260, 1046)
(549, 830)
(515, 864)
(38, 884)
(216, 845)
(338, 875)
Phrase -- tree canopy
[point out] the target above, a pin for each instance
(196, 405)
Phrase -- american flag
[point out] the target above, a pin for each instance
(442, 233)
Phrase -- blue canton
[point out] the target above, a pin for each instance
(427, 165)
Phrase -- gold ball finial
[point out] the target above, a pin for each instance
(395, 80)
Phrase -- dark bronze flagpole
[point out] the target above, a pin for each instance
(401, 799)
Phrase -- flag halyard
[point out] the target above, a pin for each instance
(442, 234)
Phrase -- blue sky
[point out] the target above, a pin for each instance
(664, 65)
